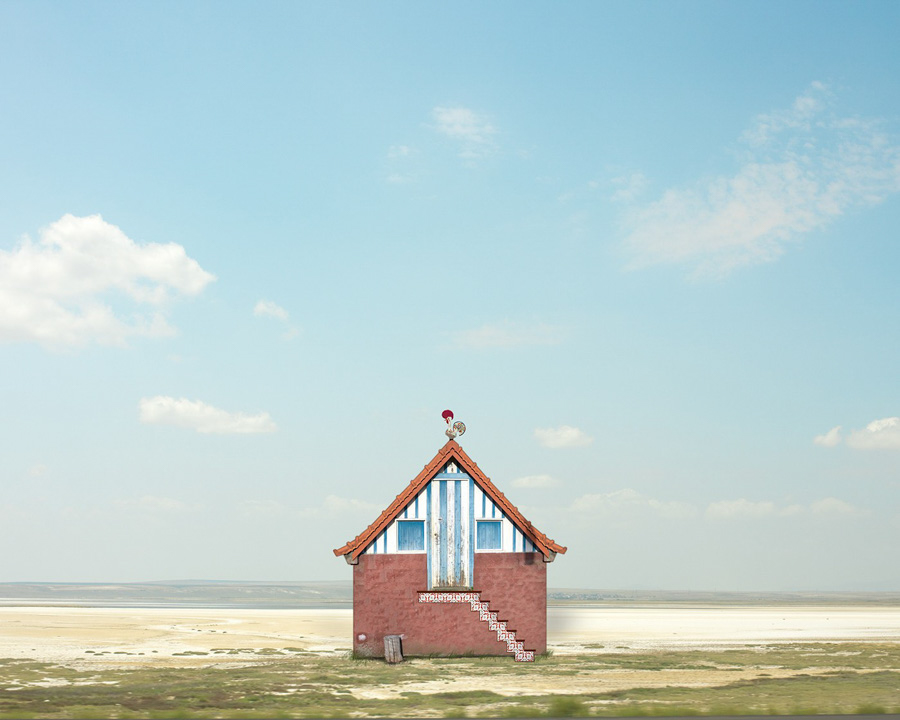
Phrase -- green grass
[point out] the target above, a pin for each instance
(826, 678)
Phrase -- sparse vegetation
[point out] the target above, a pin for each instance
(803, 678)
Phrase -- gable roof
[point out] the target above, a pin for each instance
(451, 451)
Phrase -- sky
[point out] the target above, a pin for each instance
(646, 251)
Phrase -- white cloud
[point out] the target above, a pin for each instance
(37, 470)
(58, 291)
(627, 501)
(881, 434)
(833, 506)
(332, 506)
(565, 436)
(474, 132)
(803, 168)
(509, 334)
(800, 116)
(268, 308)
(336, 505)
(829, 439)
(396, 152)
(627, 187)
(401, 164)
(743, 508)
(203, 418)
(740, 508)
(535, 481)
(153, 503)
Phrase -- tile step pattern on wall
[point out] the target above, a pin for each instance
(485, 614)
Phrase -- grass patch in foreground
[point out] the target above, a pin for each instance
(812, 678)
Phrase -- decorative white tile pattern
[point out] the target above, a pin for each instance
(485, 614)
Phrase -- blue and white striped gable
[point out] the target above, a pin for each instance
(387, 540)
(455, 495)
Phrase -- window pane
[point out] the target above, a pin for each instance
(411, 535)
(488, 535)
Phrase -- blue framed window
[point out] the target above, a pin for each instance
(488, 534)
(410, 535)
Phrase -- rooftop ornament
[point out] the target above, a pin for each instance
(453, 428)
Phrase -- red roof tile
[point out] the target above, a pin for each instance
(450, 451)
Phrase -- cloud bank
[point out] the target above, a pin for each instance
(154, 504)
(267, 308)
(881, 434)
(829, 439)
(474, 132)
(58, 292)
(508, 335)
(565, 436)
(628, 502)
(802, 168)
(742, 508)
(332, 506)
(535, 481)
(877, 435)
(196, 415)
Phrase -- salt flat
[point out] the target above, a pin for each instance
(573, 628)
(109, 637)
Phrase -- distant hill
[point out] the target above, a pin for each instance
(569, 596)
(181, 593)
(286, 595)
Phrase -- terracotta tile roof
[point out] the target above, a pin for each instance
(450, 451)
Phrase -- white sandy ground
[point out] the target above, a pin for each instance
(574, 629)
(116, 637)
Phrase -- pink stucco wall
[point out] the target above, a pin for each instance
(386, 602)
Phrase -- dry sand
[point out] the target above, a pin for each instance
(131, 637)
(116, 637)
(574, 629)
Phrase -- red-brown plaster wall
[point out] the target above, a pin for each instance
(516, 586)
(386, 602)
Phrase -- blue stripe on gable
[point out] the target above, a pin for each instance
(483, 503)
(471, 532)
(457, 540)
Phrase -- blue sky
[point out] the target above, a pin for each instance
(647, 252)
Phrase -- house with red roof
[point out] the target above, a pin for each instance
(452, 567)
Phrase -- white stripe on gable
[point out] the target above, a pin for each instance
(485, 509)
(387, 540)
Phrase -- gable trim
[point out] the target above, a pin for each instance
(451, 450)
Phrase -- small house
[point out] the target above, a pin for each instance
(452, 567)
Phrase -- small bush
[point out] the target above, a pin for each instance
(870, 709)
(566, 706)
